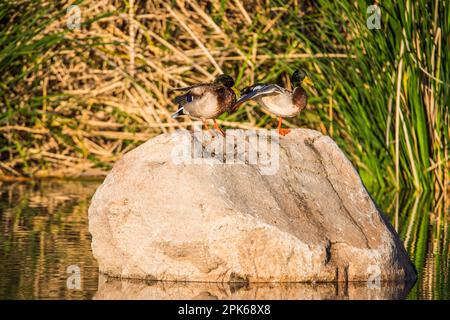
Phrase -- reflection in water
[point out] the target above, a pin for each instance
(44, 230)
(134, 289)
(423, 224)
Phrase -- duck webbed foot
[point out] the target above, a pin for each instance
(282, 131)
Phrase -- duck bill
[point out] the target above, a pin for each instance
(308, 81)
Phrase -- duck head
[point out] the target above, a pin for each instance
(225, 80)
(299, 77)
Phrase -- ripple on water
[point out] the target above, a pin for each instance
(44, 230)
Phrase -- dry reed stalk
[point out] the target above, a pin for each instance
(115, 75)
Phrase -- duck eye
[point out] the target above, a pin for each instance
(189, 98)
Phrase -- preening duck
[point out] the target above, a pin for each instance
(278, 100)
(206, 101)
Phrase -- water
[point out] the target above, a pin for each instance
(44, 231)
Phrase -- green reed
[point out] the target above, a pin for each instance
(388, 102)
(382, 94)
(24, 48)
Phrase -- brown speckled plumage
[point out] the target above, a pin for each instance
(300, 98)
(207, 100)
(226, 99)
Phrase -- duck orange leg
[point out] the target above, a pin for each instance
(282, 131)
(216, 126)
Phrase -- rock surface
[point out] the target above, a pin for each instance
(307, 219)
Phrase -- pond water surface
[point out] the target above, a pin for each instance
(44, 234)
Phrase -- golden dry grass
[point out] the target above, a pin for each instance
(115, 84)
(99, 91)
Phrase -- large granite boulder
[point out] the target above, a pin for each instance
(191, 207)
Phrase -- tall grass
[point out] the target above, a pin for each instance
(23, 49)
(389, 103)
(90, 95)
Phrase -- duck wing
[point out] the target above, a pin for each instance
(194, 98)
(259, 90)
(195, 93)
(184, 99)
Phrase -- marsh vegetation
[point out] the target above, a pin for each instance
(74, 99)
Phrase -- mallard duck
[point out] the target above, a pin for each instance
(278, 100)
(207, 100)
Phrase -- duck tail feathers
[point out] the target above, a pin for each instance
(180, 112)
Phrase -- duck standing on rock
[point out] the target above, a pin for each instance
(278, 100)
(207, 100)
